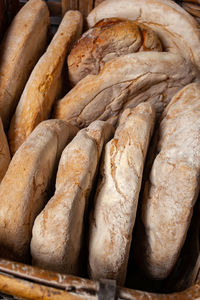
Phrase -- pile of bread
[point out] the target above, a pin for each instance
(74, 139)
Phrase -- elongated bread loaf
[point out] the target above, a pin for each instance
(4, 152)
(173, 186)
(21, 47)
(109, 38)
(23, 190)
(177, 29)
(117, 195)
(125, 82)
(186, 270)
(58, 230)
(43, 85)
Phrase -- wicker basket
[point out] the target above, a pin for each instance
(22, 281)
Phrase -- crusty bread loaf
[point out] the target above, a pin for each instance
(109, 38)
(117, 194)
(44, 82)
(186, 270)
(125, 82)
(21, 47)
(23, 190)
(4, 152)
(177, 30)
(58, 230)
(173, 186)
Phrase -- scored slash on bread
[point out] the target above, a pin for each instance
(108, 39)
(21, 47)
(117, 194)
(24, 188)
(44, 83)
(125, 82)
(177, 29)
(58, 230)
(173, 186)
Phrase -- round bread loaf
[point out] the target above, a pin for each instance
(177, 29)
(109, 38)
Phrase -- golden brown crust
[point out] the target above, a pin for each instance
(125, 82)
(21, 47)
(113, 218)
(177, 30)
(61, 221)
(109, 38)
(24, 188)
(44, 82)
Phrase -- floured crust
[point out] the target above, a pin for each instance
(177, 30)
(24, 188)
(117, 194)
(60, 224)
(108, 39)
(4, 152)
(43, 85)
(125, 82)
(173, 186)
(21, 47)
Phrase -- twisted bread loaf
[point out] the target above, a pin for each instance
(177, 29)
(125, 82)
(108, 39)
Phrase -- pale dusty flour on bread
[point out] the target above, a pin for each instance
(173, 185)
(58, 230)
(117, 194)
(24, 188)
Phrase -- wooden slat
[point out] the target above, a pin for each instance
(97, 2)
(28, 290)
(69, 4)
(80, 286)
(34, 283)
(85, 6)
(54, 8)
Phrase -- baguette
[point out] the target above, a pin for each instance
(24, 188)
(173, 186)
(117, 194)
(21, 48)
(43, 85)
(109, 38)
(177, 29)
(60, 224)
(125, 82)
